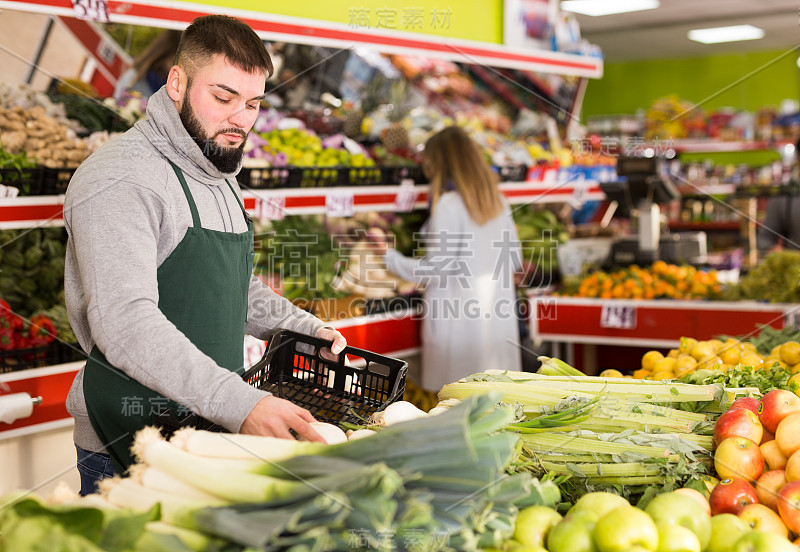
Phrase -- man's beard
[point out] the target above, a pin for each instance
(225, 159)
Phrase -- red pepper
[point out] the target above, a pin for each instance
(42, 331)
(6, 339)
(6, 316)
(22, 341)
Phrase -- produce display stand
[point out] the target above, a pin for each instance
(620, 331)
(394, 334)
(38, 211)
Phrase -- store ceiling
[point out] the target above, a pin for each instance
(661, 33)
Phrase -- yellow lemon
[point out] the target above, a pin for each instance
(673, 353)
(770, 362)
(730, 355)
(641, 373)
(715, 343)
(709, 362)
(610, 373)
(650, 358)
(666, 364)
(687, 344)
(732, 342)
(663, 376)
(795, 379)
(747, 346)
(795, 369)
(776, 351)
(681, 371)
(724, 367)
(751, 359)
(685, 362)
(702, 350)
(790, 352)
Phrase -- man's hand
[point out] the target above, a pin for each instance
(274, 417)
(339, 343)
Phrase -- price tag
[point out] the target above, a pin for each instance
(406, 196)
(93, 10)
(271, 208)
(622, 317)
(339, 204)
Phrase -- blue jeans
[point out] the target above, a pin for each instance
(93, 467)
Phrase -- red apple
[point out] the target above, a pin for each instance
(738, 457)
(767, 487)
(731, 495)
(738, 423)
(750, 403)
(761, 518)
(775, 406)
(773, 457)
(788, 434)
(767, 436)
(789, 505)
(793, 467)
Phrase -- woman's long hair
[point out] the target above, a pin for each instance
(453, 159)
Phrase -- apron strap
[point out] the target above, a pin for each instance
(188, 194)
(247, 218)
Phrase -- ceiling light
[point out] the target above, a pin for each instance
(733, 33)
(607, 7)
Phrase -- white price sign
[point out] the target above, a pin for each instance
(93, 10)
(406, 197)
(339, 204)
(271, 208)
(621, 317)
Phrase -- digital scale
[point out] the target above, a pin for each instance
(643, 185)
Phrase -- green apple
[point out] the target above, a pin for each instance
(623, 528)
(726, 529)
(533, 524)
(679, 509)
(600, 503)
(514, 546)
(573, 533)
(676, 538)
(763, 541)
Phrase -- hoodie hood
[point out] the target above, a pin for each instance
(163, 128)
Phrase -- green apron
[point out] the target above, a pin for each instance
(202, 289)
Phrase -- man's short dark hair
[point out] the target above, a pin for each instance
(220, 34)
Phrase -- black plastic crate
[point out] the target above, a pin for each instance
(396, 175)
(513, 173)
(363, 176)
(27, 180)
(55, 181)
(293, 368)
(267, 177)
(317, 177)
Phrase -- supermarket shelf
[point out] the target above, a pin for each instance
(705, 191)
(393, 334)
(716, 146)
(38, 211)
(650, 323)
(271, 26)
(31, 212)
(704, 226)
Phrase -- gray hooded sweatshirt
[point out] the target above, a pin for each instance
(125, 212)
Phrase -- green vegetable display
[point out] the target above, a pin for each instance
(765, 379)
(13, 170)
(776, 279)
(540, 233)
(32, 269)
(437, 483)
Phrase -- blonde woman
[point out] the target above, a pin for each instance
(471, 254)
